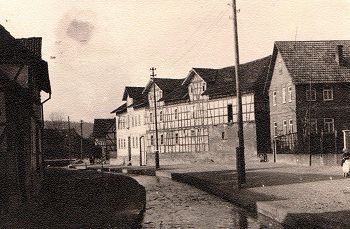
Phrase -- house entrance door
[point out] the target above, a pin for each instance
(143, 154)
(129, 150)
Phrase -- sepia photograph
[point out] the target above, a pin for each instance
(179, 114)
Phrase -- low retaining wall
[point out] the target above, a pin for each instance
(304, 159)
(206, 157)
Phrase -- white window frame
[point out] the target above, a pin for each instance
(160, 116)
(284, 126)
(328, 94)
(290, 94)
(275, 128)
(291, 127)
(161, 139)
(274, 98)
(175, 114)
(284, 99)
(310, 95)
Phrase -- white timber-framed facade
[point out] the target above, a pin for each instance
(198, 113)
(131, 127)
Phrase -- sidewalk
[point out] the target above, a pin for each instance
(295, 196)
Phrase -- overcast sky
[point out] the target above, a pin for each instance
(96, 48)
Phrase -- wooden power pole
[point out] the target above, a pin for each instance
(240, 161)
(81, 139)
(155, 117)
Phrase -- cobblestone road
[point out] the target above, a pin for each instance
(175, 205)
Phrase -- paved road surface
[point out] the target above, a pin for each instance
(175, 205)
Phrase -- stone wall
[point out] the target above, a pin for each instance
(224, 138)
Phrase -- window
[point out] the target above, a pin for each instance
(280, 70)
(150, 117)
(283, 95)
(290, 94)
(133, 142)
(124, 144)
(329, 125)
(275, 130)
(139, 120)
(152, 140)
(161, 116)
(136, 142)
(311, 95)
(274, 98)
(176, 138)
(327, 94)
(290, 126)
(313, 125)
(203, 87)
(161, 139)
(175, 114)
(229, 113)
(285, 127)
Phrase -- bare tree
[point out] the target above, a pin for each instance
(56, 121)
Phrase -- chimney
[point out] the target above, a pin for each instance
(339, 58)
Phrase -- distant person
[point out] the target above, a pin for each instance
(345, 162)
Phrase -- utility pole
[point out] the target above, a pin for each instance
(240, 161)
(69, 150)
(81, 139)
(155, 116)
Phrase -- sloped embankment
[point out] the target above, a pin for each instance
(84, 199)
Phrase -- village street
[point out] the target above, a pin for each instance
(175, 205)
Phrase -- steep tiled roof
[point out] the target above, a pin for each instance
(167, 84)
(252, 78)
(119, 110)
(177, 95)
(315, 60)
(133, 92)
(102, 127)
(171, 87)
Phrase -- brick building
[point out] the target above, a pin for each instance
(309, 99)
(23, 76)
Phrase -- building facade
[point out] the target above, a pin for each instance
(131, 127)
(104, 133)
(23, 76)
(309, 96)
(199, 114)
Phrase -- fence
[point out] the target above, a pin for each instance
(316, 143)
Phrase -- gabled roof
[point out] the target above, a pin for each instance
(314, 60)
(180, 94)
(133, 92)
(165, 84)
(119, 110)
(252, 78)
(102, 127)
(25, 51)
